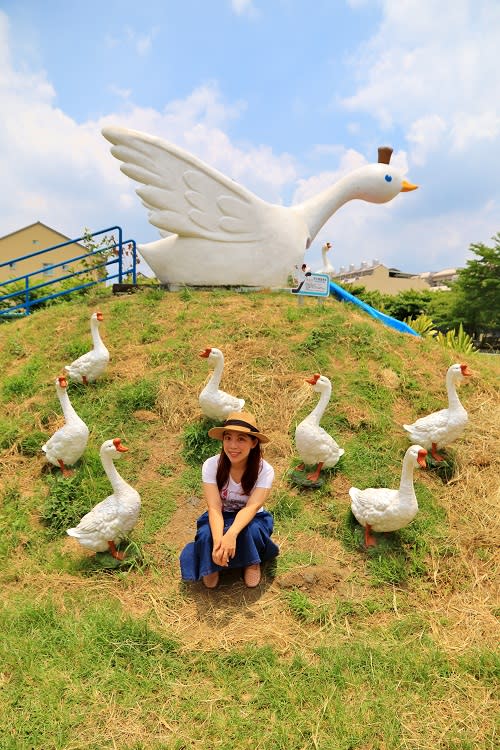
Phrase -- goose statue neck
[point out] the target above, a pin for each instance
(451, 391)
(69, 412)
(374, 183)
(406, 487)
(324, 399)
(218, 358)
(327, 266)
(215, 231)
(108, 463)
(96, 336)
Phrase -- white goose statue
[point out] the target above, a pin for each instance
(327, 266)
(222, 234)
(314, 445)
(68, 443)
(381, 509)
(103, 527)
(215, 403)
(91, 365)
(442, 427)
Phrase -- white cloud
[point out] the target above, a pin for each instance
(129, 38)
(425, 136)
(62, 173)
(244, 7)
(124, 94)
(428, 61)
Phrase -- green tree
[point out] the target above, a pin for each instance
(441, 309)
(410, 303)
(477, 304)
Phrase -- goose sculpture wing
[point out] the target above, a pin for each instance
(184, 196)
(220, 233)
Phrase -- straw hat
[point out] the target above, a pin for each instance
(239, 421)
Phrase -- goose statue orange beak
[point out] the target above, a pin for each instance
(406, 186)
(119, 447)
(205, 353)
(314, 379)
(421, 458)
(465, 370)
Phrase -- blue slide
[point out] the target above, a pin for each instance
(344, 296)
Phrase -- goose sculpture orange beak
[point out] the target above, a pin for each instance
(119, 447)
(421, 458)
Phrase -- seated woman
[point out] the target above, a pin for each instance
(235, 531)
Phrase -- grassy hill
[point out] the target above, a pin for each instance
(339, 648)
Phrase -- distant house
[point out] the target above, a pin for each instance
(29, 240)
(380, 278)
(440, 280)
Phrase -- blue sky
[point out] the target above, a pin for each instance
(284, 96)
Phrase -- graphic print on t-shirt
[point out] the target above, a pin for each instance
(232, 500)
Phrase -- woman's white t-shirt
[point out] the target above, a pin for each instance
(232, 496)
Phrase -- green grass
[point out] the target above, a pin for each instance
(197, 445)
(402, 554)
(140, 395)
(98, 654)
(68, 499)
(104, 676)
(24, 384)
(305, 610)
(14, 521)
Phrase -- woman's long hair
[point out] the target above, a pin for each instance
(250, 474)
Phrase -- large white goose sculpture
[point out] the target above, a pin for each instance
(222, 234)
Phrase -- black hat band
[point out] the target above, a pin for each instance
(240, 423)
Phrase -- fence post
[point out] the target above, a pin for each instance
(27, 294)
(120, 256)
(134, 262)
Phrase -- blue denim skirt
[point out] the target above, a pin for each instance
(253, 545)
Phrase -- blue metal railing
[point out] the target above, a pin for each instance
(29, 301)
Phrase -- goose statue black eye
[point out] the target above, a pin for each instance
(388, 178)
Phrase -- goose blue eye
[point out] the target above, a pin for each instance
(388, 178)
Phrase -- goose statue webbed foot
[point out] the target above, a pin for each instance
(114, 552)
(435, 455)
(314, 475)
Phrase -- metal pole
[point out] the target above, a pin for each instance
(120, 256)
(27, 294)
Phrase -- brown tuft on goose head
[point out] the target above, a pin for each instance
(384, 154)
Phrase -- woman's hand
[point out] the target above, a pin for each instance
(225, 549)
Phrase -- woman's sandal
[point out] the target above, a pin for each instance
(251, 575)
(211, 580)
